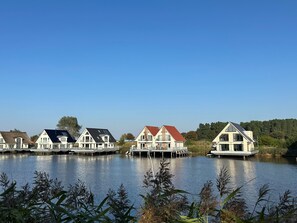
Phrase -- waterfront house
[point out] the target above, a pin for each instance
(169, 137)
(94, 138)
(147, 137)
(164, 138)
(14, 140)
(234, 140)
(55, 139)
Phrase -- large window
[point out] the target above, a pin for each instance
(238, 147)
(224, 147)
(231, 128)
(237, 138)
(224, 138)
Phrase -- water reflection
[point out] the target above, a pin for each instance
(190, 173)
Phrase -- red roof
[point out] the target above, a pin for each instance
(153, 129)
(174, 133)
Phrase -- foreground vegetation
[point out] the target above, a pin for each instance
(49, 201)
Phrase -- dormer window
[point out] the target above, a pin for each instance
(105, 138)
(63, 139)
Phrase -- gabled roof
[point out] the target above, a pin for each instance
(97, 134)
(174, 133)
(10, 137)
(242, 131)
(153, 129)
(55, 133)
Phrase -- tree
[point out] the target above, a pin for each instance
(70, 124)
(130, 136)
(191, 135)
(34, 138)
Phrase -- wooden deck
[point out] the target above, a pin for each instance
(172, 153)
(234, 153)
(22, 150)
(78, 151)
(92, 152)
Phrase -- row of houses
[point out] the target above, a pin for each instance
(91, 138)
(232, 140)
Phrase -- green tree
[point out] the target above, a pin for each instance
(122, 139)
(70, 124)
(191, 135)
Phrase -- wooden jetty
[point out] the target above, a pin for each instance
(168, 153)
(92, 152)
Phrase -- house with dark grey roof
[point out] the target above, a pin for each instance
(95, 138)
(55, 139)
(14, 140)
(234, 140)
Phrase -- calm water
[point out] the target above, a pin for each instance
(103, 172)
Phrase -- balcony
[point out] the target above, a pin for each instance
(164, 139)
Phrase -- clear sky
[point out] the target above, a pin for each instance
(125, 64)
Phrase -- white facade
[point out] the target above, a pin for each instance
(45, 142)
(87, 141)
(146, 139)
(233, 140)
(165, 140)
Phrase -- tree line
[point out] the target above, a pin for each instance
(280, 133)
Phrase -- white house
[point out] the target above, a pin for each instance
(164, 138)
(234, 140)
(94, 138)
(147, 137)
(55, 139)
(14, 140)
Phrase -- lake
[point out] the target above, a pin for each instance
(190, 173)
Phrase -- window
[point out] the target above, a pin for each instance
(231, 128)
(224, 147)
(238, 147)
(224, 138)
(237, 138)
(1, 140)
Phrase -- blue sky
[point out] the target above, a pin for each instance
(125, 64)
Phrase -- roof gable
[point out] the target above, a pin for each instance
(54, 135)
(242, 131)
(98, 133)
(174, 133)
(153, 130)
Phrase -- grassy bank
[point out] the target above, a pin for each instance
(126, 147)
(201, 147)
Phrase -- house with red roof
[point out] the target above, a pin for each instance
(146, 138)
(164, 138)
